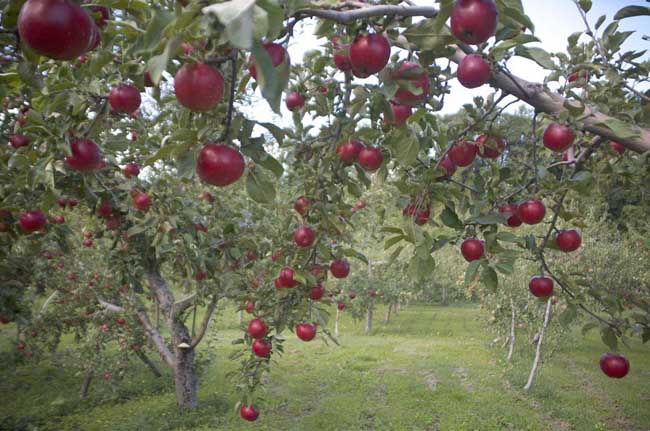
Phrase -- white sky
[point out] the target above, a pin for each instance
(554, 21)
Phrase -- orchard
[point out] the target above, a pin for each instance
(143, 191)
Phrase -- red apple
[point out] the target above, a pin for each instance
(568, 240)
(359, 206)
(614, 145)
(59, 219)
(249, 413)
(286, 277)
(85, 155)
(513, 220)
(105, 209)
(103, 14)
(131, 170)
(306, 331)
(531, 212)
(463, 153)
(372, 293)
(490, 147)
(472, 249)
(18, 141)
(340, 268)
(401, 113)
(407, 72)
(112, 222)
(125, 99)
(249, 306)
(304, 236)
(219, 164)
(370, 158)
(615, 366)
(317, 292)
(473, 71)
(342, 58)
(474, 21)
(301, 205)
(349, 151)
(262, 348)
(277, 54)
(148, 82)
(31, 221)
(198, 87)
(557, 137)
(294, 100)
(369, 53)
(142, 202)
(340, 305)
(257, 328)
(540, 286)
(448, 166)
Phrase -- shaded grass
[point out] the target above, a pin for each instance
(431, 368)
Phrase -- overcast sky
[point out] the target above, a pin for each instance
(554, 21)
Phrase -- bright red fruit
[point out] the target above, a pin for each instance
(421, 215)
(198, 87)
(262, 348)
(59, 29)
(472, 249)
(257, 328)
(142, 202)
(31, 221)
(615, 366)
(301, 205)
(276, 255)
(85, 155)
(249, 413)
(277, 54)
(304, 236)
(306, 331)
(372, 293)
(249, 306)
(88, 234)
(401, 113)
(463, 153)
(370, 158)
(369, 53)
(317, 292)
(490, 147)
(513, 220)
(148, 82)
(104, 14)
(407, 72)
(18, 141)
(294, 100)
(531, 212)
(540, 286)
(349, 151)
(340, 305)
(359, 206)
(104, 209)
(59, 219)
(568, 240)
(112, 222)
(557, 137)
(340, 268)
(125, 99)
(131, 170)
(286, 278)
(473, 71)
(342, 58)
(474, 21)
(219, 164)
(448, 166)
(614, 145)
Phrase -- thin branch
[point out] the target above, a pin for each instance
(206, 322)
(110, 307)
(156, 338)
(464, 186)
(100, 108)
(231, 100)
(344, 17)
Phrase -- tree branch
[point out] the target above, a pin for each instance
(347, 16)
(156, 338)
(206, 322)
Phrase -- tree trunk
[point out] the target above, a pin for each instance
(512, 331)
(396, 308)
(184, 373)
(388, 309)
(85, 386)
(369, 320)
(241, 316)
(336, 323)
(144, 358)
(538, 352)
(444, 296)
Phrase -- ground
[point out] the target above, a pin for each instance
(431, 368)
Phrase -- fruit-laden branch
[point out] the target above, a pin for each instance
(206, 322)
(534, 94)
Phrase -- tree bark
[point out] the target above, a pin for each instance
(388, 309)
(538, 352)
(85, 386)
(336, 323)
(148, 362)
(512, 331)
(444, 296)
(396, 308)
(184, 373)
(369, 320)
(240, 316)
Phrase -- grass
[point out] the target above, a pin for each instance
(431, 368)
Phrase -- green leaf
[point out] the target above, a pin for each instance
(158, 64)
(238, 18)
(259, 188)
(450, 218)
(585, 5)
(600, 21)
(403, 144)
(588, 327)
(631, 11)
(494, 218)
(276, 131)
(392, 241)
(515, 41)
(621, 128)
(154, 33)
(272, 80)
(489, 278)
(538, 55)
(608, 336)
(470, 272)
(350, 252)
(427, 36)
(568, 315)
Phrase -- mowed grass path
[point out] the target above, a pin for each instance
(430, 368)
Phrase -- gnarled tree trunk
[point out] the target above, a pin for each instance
(388, 310)
(369, 320)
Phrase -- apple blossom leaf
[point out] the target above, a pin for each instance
(238, 17)
(390, 229)
(154, 33)
(601, 20)
(588, 327)
(276, 131)
(489, 278)
(403, 144)
(608, 336)
(494, 218)
(520, 39)
(470, 272)
(621, 128)
(392, 241)
(450, 218)
(568, 315)
(632, 11)
(538, 55)
(272, 80)
(517, 15)
(349, 252)
(585, 5)
(395, 255)
(259, 188)
(158, 64)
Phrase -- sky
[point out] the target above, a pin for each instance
(554, 21)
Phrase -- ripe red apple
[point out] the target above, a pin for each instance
(407, 72)
(112, 222)
(531, 212)
(474, 21)
(63, 202)
(277, 254)
(568, 240)
(125, 99)
(448, 166)
(359, 206)
(473, 71)
(85, 156)
(578, 75)
(614, 145)
(294, 100)
(104, 209)
(372, 293)
(369, 53)
(262, 348)
(257, 328)
(301, 205)
(615, 366)
(421, 215)
(557, 137)
(340, 305)
(352, 295)
(148, 82)
(103, 13)
(198, 87)
(18, 141)
(513, 220)
(304, 236)
(59, 219)
(340, 268)
(463, 153)
(342, 58)
(58, 29)
(249, 413)
(142, 202)
(201, 275)
(107, 376)
(277, 54)
(249, 306)
(131, 170)
(286, 277)
(349, 151)
(370, 158)
(31, 221)
(121, 321)
(540, 286)
(73, 203)
(306, 331)
(472, 249)
(317, 292)
(401, 113)
(219, 164)
(490, 147)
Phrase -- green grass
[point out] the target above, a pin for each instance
(431, 368)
